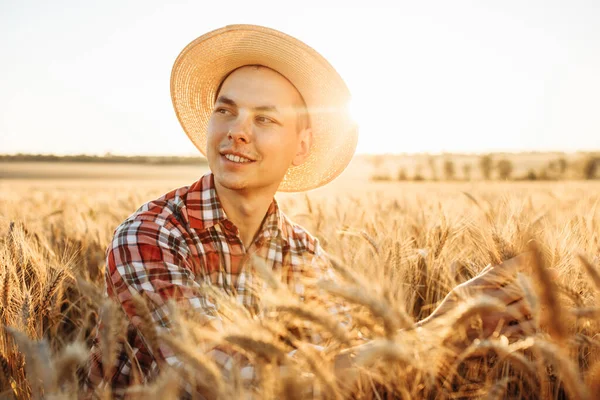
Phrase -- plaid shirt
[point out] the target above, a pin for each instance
(172, 246)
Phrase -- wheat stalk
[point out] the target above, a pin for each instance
(504, 352)
(147, 326)
(317, 365)
(73, 356)
(567, 370)
(50, 292)
(548, 295)
(6, 295)
(498, 389)
(303, 312)
(210, 377)
(393, 320)
(108, 329)
(261, 347)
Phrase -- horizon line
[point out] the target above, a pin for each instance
(199, 155)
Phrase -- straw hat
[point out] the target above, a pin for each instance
(205, 62)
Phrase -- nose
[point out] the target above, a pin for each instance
(240, 131)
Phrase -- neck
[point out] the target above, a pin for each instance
(246, 210)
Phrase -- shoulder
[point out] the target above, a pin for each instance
(152, 235)
(160, 210)
(161, 219)
(172, 209)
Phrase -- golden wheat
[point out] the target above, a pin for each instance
(397, 252)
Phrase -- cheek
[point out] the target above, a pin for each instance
(288, 144)
(213, 132)
(283, 150)
(212, 142)
(211, 128)
(281, 139)
(272, 142)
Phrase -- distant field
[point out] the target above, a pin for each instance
(20, 178)
(74, 170)
(362, 168)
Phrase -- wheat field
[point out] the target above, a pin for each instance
(399, 248)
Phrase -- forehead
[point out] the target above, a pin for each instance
(254, 85)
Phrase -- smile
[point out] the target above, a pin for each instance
(236, 159)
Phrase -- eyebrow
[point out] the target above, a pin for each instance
(227, 100)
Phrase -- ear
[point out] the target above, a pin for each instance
(303, 145)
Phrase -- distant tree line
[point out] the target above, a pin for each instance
(498, 168)
(107, 158)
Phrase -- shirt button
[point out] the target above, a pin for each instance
(229, 226)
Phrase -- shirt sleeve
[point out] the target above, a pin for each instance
(151, 258)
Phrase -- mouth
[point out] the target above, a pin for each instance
(237, 158)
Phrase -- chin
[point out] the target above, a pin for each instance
(234, 185)
(231, 182)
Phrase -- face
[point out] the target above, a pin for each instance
(254, 133)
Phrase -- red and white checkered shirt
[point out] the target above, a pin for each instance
(172, 246)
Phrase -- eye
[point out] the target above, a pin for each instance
(265, 120)
(221, 110)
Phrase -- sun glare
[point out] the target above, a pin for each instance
(354, 111)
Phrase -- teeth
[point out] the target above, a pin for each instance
(236, 159)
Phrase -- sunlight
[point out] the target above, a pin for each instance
(354, 110)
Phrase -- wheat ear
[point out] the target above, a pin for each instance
(548, 295)
(591, 270)
(566, 368)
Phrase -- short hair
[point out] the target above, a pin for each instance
(302, 118)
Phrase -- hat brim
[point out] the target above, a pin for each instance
(203, 64)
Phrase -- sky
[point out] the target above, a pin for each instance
(425, 76)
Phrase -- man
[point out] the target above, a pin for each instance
(270, 114)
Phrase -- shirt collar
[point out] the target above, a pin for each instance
(205, 210)
(204, 207)
(273, 224)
